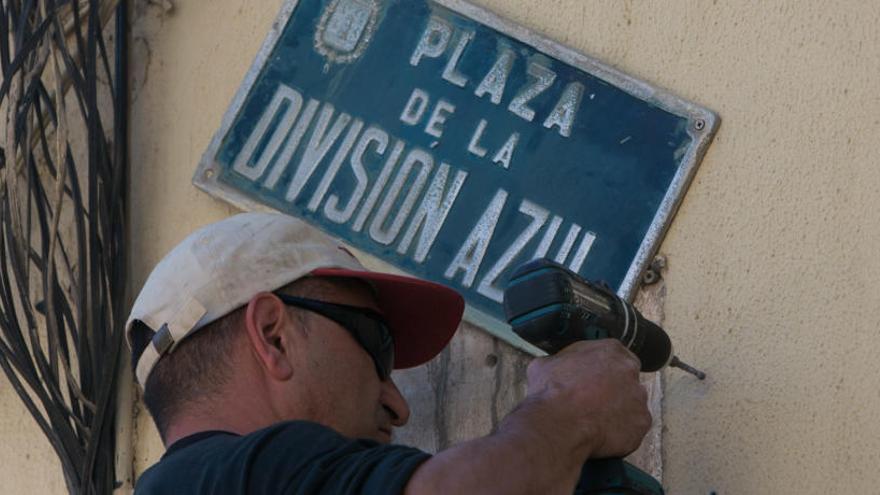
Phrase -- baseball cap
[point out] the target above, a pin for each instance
(219, 267)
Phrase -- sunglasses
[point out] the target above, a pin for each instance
(365, 325)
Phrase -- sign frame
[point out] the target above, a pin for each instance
(702, 125)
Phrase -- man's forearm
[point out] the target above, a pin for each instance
(532, 452)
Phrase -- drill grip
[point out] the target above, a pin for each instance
(615, 476)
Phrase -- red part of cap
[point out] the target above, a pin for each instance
(423, 316)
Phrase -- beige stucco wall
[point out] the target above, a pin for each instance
(27, 462)
(772, 264)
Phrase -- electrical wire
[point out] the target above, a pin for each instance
(63, 172)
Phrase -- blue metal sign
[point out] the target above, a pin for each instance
(454, 145)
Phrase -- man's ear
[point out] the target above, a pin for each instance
(266, 319)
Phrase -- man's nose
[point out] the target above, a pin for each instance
(394, 401)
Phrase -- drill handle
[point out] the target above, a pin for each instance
(617, 477)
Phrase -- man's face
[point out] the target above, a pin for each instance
(337, 380)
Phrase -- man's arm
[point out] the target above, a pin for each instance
(584, 402)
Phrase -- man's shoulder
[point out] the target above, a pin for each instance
(285, 457)
(223, 462)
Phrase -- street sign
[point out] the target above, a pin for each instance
(454, 145)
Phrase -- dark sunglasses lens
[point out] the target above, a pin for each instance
(387, 355)
(367, 327)
(376, 339)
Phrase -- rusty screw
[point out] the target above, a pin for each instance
(654, 272)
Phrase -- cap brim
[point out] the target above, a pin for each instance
(423, 316)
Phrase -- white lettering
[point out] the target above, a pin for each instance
(496, 79)
(472, 252)
(581, 254)
(549, 236)
(566, 108)
(539, 215)
(317, 147)
(543, 79)
(415, 107)
(387, 235)
(434, 40)
(474, 146)
(367, 208)
(292, 143)
(441, 112)
(450, 73)
(432, 213)
(353, 131)
(373, 135)
(505, 154)
(567, 244)
(284, 94)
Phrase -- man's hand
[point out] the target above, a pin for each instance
(592, 389)
(583, 402)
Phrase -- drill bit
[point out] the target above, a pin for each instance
(690, 369)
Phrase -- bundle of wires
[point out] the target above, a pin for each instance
(62, 224)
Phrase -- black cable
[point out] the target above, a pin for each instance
(62, 290)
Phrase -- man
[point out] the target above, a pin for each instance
(265, 352)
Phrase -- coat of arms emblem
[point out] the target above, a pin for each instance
(346, 29)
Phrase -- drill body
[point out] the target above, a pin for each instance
(552, 307)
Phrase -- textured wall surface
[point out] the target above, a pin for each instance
(27, 462)
(772, 264)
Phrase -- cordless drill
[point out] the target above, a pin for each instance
(551, 307)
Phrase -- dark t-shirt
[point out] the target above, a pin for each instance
(296, 457)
